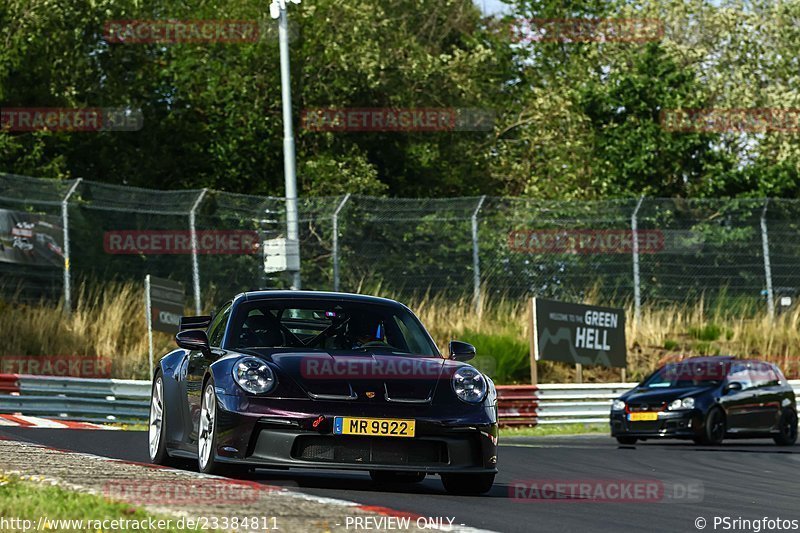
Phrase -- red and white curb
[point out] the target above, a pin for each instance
(25, 421)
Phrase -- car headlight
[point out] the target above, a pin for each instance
(685, 403)
(469, 385)
(254, 375)
(617, 405)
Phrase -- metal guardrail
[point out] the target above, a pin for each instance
(127, 400)
(77, 399)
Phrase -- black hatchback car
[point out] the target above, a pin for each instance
(707, 399)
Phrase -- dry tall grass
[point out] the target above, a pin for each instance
(109, 322)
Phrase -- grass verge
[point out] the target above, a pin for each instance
(555, 430)
(66, 510)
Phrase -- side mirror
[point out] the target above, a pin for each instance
(733, 386)
(193, 339)
(461, 351)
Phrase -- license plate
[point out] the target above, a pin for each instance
(381, 427)
(642, 417)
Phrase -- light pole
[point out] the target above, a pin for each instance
(278, 11)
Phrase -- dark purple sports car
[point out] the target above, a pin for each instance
(324, 380)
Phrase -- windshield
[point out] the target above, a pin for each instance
(328, 325)
(682, 375)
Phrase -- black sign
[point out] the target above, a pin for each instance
(579, 334)
(31, 239)
(166, 304)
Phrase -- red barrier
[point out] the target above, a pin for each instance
(9, 383)
(517, 405)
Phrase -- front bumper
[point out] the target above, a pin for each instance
(282, 433)
(675, 424)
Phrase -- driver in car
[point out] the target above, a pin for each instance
(363, 332)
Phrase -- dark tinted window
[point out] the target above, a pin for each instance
(216, 330)
(763, 375)
(328, 325)
(740, 372)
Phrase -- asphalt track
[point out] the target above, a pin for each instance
(740, 479)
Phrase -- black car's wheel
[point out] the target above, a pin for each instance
(627, 440)
(787, 428)
(389, 476)
(713, 430)
(468, 483)
(157, 432)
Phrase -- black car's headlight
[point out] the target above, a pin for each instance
(469, 385)
(617, 405)
(254, 375)
(685, 403)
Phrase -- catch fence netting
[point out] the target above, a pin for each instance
(663, 250)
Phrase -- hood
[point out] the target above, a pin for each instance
(654, 398)
(363, 376)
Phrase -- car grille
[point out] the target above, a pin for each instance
(367, 450)
(638, 407)
(645, 426)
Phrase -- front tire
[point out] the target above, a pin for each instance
(788, 428)
(713, 431)
(207, 433)
(468, 484)
(157, 432)
(628, 441)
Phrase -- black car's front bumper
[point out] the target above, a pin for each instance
(675, 424)
(288, 437)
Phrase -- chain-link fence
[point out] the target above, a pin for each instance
(639, 250)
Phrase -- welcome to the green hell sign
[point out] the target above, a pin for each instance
(579, 334)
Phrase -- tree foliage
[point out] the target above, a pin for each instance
(572, 119)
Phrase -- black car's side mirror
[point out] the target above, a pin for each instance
(733, 386)
(193, 339)
(461, 351)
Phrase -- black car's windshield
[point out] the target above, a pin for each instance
(683, 375)
(333, 326)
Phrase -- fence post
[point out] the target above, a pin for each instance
(767, 266)
(476, 260)
(195, 265)
(637, 289)
(336, 242)
(65, 225)
(148, 309)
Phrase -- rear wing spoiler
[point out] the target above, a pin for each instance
(194, 322)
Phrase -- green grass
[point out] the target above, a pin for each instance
(27, 500)
(502, 355)
(555, 429)
(709, 332)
